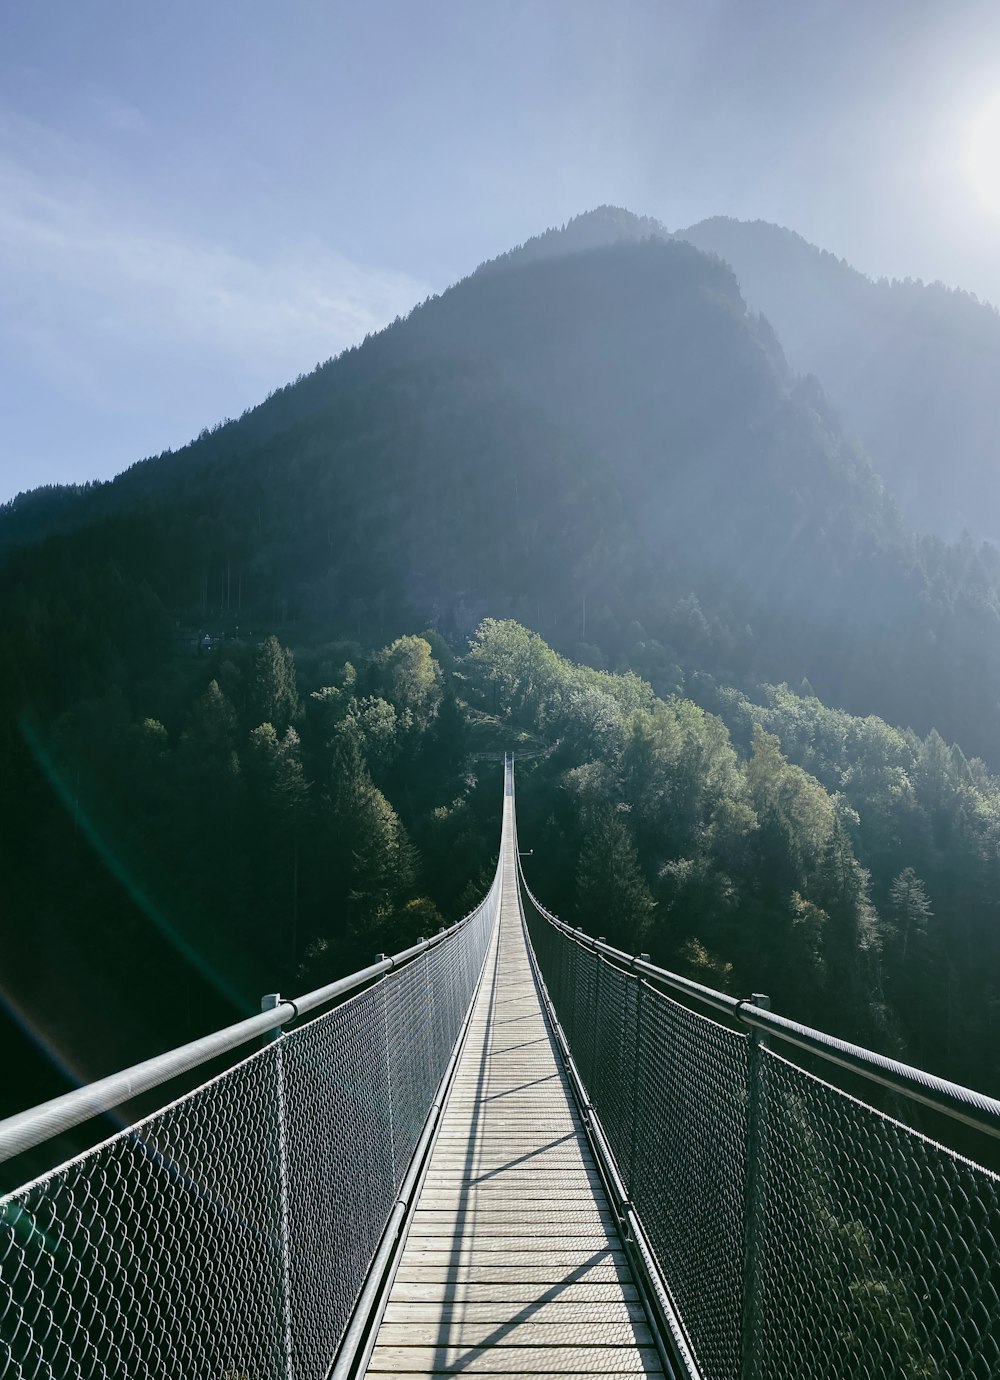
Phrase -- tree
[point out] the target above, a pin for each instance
(274, 695)
(446, 745)
(412, 679)
(278, 809)
(613, 896)
(210, 737)
(376, 724)
(376, 861)
(796, 815)
(516, 665)
(911, 910)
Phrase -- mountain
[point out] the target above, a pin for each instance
(606, 444)
(914, 367)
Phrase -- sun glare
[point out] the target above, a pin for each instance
(982, 154)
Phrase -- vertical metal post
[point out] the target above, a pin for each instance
(634, 1131)
(754, 1205)
(268, 1003)
(565, 970)
(592, 1076)
(430, 1010)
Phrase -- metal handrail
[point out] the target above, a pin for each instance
(32, 1127)
(952, 1099)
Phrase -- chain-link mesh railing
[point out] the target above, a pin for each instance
(228, 1236)
(800, 1234)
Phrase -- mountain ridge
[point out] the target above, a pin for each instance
(911, 366)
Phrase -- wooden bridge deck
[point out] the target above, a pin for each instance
(512, 1265)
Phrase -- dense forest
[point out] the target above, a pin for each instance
(292, 813)
(257, 691)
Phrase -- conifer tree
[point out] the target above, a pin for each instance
(274, 695)
(614, 898)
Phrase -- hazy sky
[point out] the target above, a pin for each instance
(200, 200)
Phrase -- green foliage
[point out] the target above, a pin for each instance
(412, 680)
(911, 910)
(375, 723)
(695, 962)
(791, 807)
(613, 897)
(679, 845)
(914, 817)
(274, 696)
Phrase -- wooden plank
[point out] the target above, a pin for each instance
(541, 1190)
(498, 1311)
(533, 1113)
(544, 1375)
(524, 1132)
(449, 1332)
(490, 1217)
(568, 1246)
(520, 1174)
(463, 1215)
(519, 1251)
(517, 1293)
(514, 1360)
(515, 1221)
(522, 1147)
(478, 1198)
(486, 1273)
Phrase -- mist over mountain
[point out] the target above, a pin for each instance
(914, 367)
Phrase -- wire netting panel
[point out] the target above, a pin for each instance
(159, 1252)
(801, 1234)
(877, 1251)
(689, 1181)
(228, 1236)
(336, 1088)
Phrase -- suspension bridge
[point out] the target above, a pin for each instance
(511, 1149)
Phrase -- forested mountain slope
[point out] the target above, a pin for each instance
(605, 444)
(914, 367)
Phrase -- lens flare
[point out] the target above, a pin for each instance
(131, 884)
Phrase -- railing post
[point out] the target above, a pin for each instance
(634, 1131)
(597, 1008)
(268, 1003)
(754, 1205)
(429, 1009)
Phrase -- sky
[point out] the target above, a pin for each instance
(199, 201)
